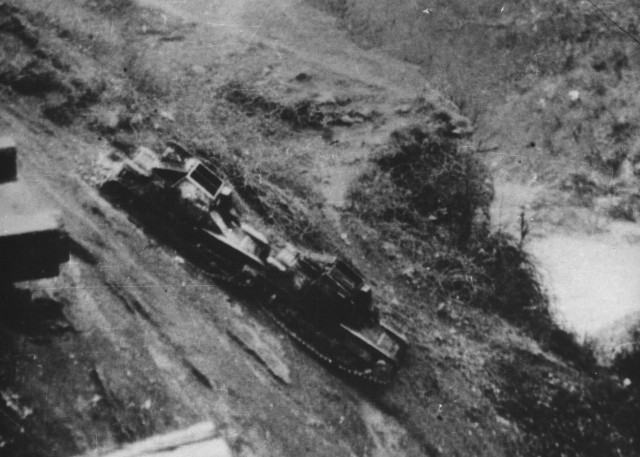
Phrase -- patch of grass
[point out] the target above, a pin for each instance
(277, 117)
(270, 178)
(337, 7)
(423, 182)
(113, 8)
(251, 146)
(32, 66)
(563, 415)
(582, 188)
(302, 114)
(143, 75)
(627, 361)
(458, 40)
(271, 182)
(626, 208)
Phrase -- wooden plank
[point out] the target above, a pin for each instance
(195, 441)
(211, 448)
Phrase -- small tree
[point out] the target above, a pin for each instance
(442, 182)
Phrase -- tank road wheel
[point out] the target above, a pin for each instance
(245, 276)
(383, 371)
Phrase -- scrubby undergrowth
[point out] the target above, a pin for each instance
(429, 193)
(476, 49)
(427, 196)
(32, 67)
(564, 414)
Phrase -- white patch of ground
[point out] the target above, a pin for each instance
(593, 280)
(591, 275)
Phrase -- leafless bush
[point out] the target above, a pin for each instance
(143, 75)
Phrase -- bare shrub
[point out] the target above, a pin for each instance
(115, 7)
(143, 75)
(427, 180)
(429, 196)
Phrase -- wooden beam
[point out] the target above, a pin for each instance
(195, 441)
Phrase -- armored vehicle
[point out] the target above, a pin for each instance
(323, 302)
(326, 304)
(181, 201)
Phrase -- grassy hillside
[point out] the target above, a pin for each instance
(551, 81)
(491, 45)
(552, 89)
(427, 199)
(119, 76)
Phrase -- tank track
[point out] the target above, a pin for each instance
(367, 375)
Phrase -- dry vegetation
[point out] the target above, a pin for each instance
(549, 81)
(425, 195)
(428, 193)
(557, 96)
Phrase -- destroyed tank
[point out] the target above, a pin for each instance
(321, 301)
(325, 304)
(33, 242)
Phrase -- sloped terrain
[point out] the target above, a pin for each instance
(132, 339)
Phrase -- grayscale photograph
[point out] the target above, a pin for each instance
(333, 228)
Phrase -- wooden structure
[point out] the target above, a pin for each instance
(33, 242)
(199, 440)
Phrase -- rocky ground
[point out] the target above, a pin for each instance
(133, 340)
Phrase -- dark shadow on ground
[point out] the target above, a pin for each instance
(33, 314)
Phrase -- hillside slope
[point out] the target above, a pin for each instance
(551, 87)
(143, 342)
